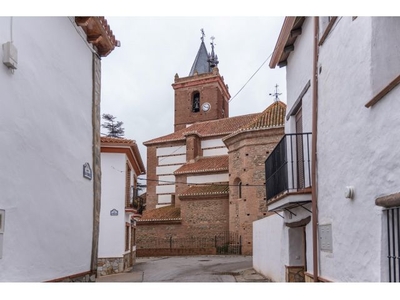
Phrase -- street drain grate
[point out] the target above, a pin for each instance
(204, 260)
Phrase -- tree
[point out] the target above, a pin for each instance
(114, 127)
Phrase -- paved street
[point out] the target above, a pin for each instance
(210, 268)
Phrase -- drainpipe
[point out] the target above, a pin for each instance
(314, 197)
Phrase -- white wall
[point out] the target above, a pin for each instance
(298, 73)
(112, 228)
(46, 133)
(270, 247)
(208, 178)
(357, 146)
(213, 147)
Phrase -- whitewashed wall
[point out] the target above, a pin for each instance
(213, 147)
(298, 73)
(112, 228)
(46, 133)
(223, 177)
(270, 243)
(357, 146)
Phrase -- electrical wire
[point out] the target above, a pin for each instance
(200, 184)
(250, 78)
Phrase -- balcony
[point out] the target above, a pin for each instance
(288, 172)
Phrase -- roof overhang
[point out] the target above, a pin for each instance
(290, 30)
(130, 149)
(98, 34)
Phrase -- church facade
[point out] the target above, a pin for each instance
(206, 179)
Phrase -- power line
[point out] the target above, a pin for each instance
(250, 77)
(201, 184)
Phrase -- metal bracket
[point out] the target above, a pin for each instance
(279, 215)
(291, 212)
(305, 208)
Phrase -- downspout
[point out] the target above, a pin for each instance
(314, 197)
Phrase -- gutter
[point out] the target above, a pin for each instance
(314, 197)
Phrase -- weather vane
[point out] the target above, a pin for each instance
(276, 94)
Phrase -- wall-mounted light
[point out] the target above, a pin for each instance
(349, 192)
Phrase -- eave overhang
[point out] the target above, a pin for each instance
(291, 29)
(98, 34)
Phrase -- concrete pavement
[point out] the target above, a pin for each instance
(137, 274)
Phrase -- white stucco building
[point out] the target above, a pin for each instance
(50, 159)
(337, 202)
(121, 164)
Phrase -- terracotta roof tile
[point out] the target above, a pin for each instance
(207, 129)
(206, 164)
(272, 116)
(209, 189)
(114, 140)
(162, 213)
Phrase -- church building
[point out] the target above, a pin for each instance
(206, 179)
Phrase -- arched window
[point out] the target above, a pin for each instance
(196, 102)
(237, 186)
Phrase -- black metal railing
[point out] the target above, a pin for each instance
(393, 232)
(288, 167)
(224, 242)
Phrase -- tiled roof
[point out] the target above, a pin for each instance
(206, 164)
(209, 189)
(272, 116)
(123, 143)
(114, 140)
(200, 64)
(98, 33)
(162, 213)
(218, 127)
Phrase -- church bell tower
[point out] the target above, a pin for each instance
(203, 95)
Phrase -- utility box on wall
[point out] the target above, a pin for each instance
(325, 237)
(10, 55)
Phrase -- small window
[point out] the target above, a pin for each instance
(196, 102)
(240, 189)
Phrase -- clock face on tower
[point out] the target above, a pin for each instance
(206, 106)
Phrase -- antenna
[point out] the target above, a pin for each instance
(276, 94)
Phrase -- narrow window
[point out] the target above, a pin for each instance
(196, 102)
(240, 189)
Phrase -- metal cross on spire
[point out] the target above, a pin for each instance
(202, 34)
(276, 94)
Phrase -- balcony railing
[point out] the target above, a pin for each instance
(287, 168)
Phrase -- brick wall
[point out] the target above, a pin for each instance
(247, 154)
(205, 217)
(210, 87)
(151, 197)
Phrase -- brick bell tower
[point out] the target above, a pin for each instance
(203, 95)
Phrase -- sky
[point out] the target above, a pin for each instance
(137, 77)
(161, 38)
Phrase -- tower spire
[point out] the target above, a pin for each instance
(212, 58)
